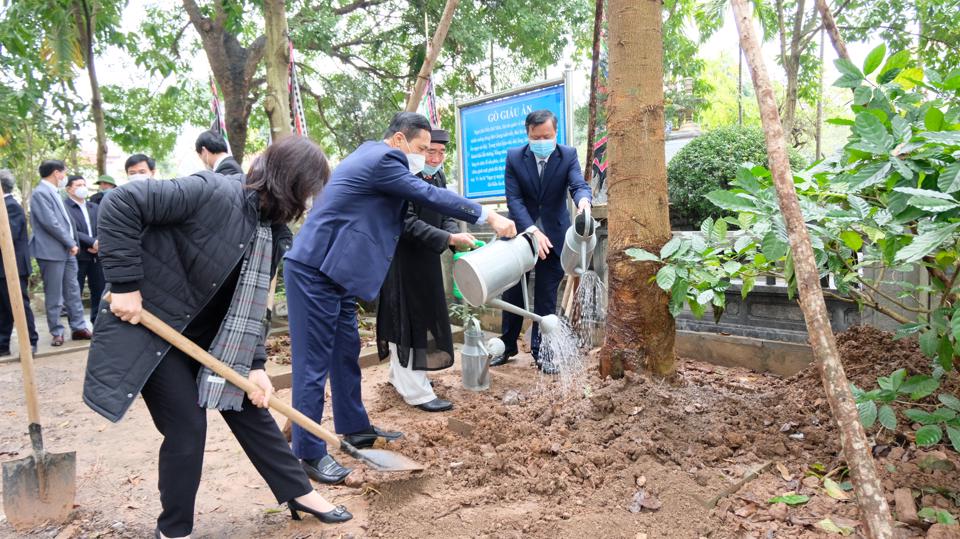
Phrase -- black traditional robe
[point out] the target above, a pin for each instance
(412, 310)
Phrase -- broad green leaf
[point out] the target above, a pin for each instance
(862, 95)
(678, 296)
(851, 239)
(706, 226)
(934, 205)
(872, 130)
(941, 137)
(933, 119)
(929, 435)
(847, 68)
(921, 416)
(719, 232)
(705, 297)
(929, 342)
(897, 60)
(840, 121)
(670, 247)
(640, 255)
(924, 193)
(953, 433)
(949, 401)
(726, 200)
(920, 386)
(901, 167)
(869, 175)
(742, 243)
(868, 413)
(887, 417)
(747, 181)
(901, 128)
(732, 267)
(748, 283)
(949, 180)
(790, 498)
(773, 247)
(908, 78)
(925, 243)
(874, 58)
(666, 277)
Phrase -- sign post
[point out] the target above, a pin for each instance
(488, 126)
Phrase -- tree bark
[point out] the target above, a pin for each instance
(86, 26)
(233, 67)
(594, 75)
(435, 45)
(639, 329)
(831, 26)
(277, 56)
(875, 513)
(819, 128)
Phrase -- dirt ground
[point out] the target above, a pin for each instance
(698, 456)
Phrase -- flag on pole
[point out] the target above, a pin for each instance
(296, 103)
(428, 105)
(219, 121)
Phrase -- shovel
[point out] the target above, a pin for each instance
(378, 459)
(40, 488)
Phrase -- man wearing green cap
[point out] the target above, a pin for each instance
(105, 183)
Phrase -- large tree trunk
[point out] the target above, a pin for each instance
(639, 329)
(233, 67)
(875, 513)
(86, 26)
(594, 75)
(277, 101)
(435, 45)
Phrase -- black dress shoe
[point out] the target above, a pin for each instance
(325, 470)
(436, 405)
(547, 367)
(336, 515)
(366, 438)
(502, 359)
(5, 352)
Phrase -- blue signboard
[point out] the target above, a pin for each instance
(490, 128)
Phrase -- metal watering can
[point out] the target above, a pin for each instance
(485, 273)
(578, 244)
(475, 357)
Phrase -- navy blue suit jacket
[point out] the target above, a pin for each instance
(86, 237)
(21, 245)
(528, 202)
(352, 231)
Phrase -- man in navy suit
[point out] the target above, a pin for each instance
(538, 176)
(18, 229)
(342, 252)
(84, 216)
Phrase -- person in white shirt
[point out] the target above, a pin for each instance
(84, 213)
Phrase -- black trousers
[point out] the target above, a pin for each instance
(90, 270)
(171, 397)
(549, 273)
(6, 314)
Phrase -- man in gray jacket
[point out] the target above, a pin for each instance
(54, 245)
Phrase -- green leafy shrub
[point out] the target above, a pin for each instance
(708, 163)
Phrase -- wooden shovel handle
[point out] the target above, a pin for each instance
(185, 345)
(19, 315)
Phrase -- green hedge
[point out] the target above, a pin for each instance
(707, 163)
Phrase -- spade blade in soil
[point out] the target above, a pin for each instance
(39, 489)
(384, 460)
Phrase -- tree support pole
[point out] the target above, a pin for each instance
(427, 68)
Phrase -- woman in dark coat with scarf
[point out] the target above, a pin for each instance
(413, 326)
(199, 252)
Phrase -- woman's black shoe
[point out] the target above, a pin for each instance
(334, 516)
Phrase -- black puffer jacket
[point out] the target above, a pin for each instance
(176, 241)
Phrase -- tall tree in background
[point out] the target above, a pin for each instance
(85, 12)
(233, 64)
(640, 329)
(277, 101)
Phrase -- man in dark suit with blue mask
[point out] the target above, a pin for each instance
(343, 252)
(538, 177)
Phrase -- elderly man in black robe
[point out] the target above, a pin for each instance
(413, 326)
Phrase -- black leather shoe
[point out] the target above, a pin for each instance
(366, 438)
(5, 352)
(547, 367)
(436, 405)
(336, 515)
(502, 359)
(325, 470)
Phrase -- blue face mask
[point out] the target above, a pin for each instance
(430, 170)
(543, 148)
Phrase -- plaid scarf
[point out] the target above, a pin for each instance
(244, 327)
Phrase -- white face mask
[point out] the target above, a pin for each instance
(81, 192)
(416, 161)
(62, 184)
(135, 177)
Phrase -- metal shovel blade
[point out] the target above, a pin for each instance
(39, 489)
(384, 460)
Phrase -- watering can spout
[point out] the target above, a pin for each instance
(578, 244)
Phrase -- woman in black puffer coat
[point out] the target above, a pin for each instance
(175, 248)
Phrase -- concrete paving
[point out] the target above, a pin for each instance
(44, 349)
